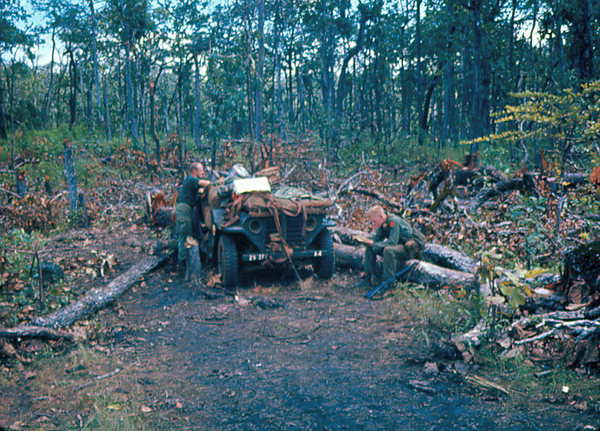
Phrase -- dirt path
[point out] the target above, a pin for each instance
(323, 358)
(278, 358)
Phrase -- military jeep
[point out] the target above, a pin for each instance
(245, 226)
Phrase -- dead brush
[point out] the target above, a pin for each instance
(33, 213)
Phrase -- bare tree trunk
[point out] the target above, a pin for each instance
(70, 174)
(476, 101)
(106, 109)
(249, 70)
(95, 60)
(143, 121)
(90, 104)
(11, 96)
(73, 89)
(165, 103)
(198, 103)
(511, 47)
(129, 94)
(259, 120)
(278, 90)
(3, 134)
(48, 94)
(420, 72)
(180, 120)
(449, 128)
(152, 127)
(588, 53)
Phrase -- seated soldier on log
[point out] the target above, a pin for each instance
(395, 239)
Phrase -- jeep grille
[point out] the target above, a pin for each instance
(291, 227)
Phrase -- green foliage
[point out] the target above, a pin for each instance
(528, 216)
(555, 123)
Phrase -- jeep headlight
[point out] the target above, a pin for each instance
(255, 226)
(311, 224)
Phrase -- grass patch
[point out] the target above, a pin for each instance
(147, 392)
(433, 310)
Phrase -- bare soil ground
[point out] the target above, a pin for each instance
(276, 357)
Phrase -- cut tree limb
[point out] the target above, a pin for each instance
(350, 257)
(437, 277)
(31, 331)
(449, 258)
(378, 196)
(96, 299)
(527, 182)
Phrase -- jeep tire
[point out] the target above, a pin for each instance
(324, 266)
(227, 255)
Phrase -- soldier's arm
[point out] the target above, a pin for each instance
(405, 232)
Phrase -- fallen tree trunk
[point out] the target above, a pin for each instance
(449, 258)
(349, 257)
(425, 273)
(31, 331)
(345, 235)
(96, 299)
(437, 277)
(435, 253)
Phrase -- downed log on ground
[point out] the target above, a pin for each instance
(31, 331)
(437, 277)
(447, 257)
(349, 257)
(425, 273)
(435, 253)
(96, 299)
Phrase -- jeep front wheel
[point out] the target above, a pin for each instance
(324, 266)
(228, 261)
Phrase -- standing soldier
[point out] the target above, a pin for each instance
(184, 209)
(395, 239)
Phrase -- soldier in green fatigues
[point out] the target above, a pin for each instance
(183, 210)
(395, 240)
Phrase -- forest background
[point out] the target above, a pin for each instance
(393, 81)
